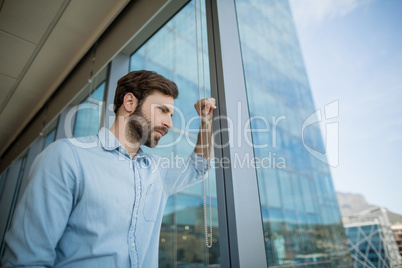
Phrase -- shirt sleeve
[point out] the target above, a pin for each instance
(184, 174)
(42, 213)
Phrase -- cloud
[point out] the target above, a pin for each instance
(309, 12)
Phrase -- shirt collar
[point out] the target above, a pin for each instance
(110, 143)
(108, 140)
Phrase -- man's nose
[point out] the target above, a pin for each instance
(168, 122)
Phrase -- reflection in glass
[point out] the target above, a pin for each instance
(89, 112)
(179, 51)
(301, 219)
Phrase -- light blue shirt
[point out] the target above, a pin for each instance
(88, 204)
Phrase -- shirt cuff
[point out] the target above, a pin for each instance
(200, 163)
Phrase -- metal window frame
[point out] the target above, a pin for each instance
(119, 67)
(240, 222)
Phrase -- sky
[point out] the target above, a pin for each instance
(353, 54)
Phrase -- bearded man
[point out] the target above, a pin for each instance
(98, 201)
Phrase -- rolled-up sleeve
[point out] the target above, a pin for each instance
(42, 214)
(182, 175)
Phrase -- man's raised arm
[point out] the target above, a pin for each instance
(205, 109)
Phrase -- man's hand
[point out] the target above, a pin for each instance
(205, 108)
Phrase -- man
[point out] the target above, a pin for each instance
(102, 205)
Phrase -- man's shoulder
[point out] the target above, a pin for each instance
(87, 142)
(58, 153)
(80, 142)
(69, 152)
(71, 146)
(60, 145)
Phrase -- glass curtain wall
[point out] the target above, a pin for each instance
(3, 179)
(179, 51)
(301, 219)
(49, 138)
(89, 114)
(367, 246)
(10, 189)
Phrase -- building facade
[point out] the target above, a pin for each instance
(371, 239)
(270, 201)
(397, 229)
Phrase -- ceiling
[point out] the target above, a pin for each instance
(40, 43)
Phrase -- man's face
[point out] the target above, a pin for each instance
(151, 120)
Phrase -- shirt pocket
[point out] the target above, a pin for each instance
(152, 204)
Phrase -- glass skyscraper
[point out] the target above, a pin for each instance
(301, 218)
(272, 203)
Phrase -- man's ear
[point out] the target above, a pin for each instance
(130, 103)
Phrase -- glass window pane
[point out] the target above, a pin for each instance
(3, 179)
(9, 196)
(49, 138)
(179, 51)
(297, 198)
(89, 113)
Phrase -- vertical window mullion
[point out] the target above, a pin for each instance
(241, 209)
(118, 68)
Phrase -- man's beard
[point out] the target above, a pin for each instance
(140, 129)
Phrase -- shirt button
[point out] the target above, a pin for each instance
(132, 245)
(139, 187)
(135, 215)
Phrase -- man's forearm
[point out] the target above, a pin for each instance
(205, 109)
(204, 146)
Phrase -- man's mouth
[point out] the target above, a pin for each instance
(160, 133)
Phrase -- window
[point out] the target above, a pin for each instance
(49, 138)
(88, 116)
(8, 199)
(179, 51)
(290, 187)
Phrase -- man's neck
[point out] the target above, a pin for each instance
(118, 130)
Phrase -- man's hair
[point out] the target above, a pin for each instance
(142, 84)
